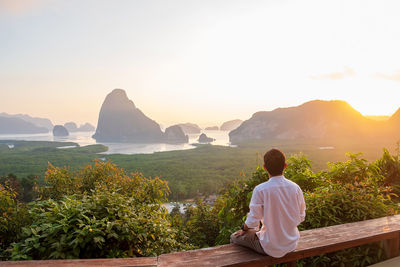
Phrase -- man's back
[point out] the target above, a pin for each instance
(279, 205)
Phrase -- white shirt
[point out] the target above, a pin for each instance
(279, 205)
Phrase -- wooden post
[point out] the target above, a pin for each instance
(391, 247)
(291, 264)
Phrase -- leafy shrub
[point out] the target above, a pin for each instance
(344, 203)
(389, 167)
(105, 175)
(202, 224)
(353, 169)
(103, 224)
(24, 188)
(349, 191)
(13, 217)
(299, 170)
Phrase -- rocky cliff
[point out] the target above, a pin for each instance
(230, 125)
(175, 134)
(312, 120)
(121, 121)
(60, 131)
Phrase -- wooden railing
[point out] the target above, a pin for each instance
(312, 243)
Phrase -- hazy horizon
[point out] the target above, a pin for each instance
(203, 62)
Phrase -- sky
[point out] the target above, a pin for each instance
(204, 61)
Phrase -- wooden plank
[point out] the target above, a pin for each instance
(391, 247)
(134, 262)
(312, 242)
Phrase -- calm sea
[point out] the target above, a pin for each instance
(85, 138)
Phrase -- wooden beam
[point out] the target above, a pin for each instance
(391, 247)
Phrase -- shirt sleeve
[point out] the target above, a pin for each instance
(256, 210)
(302, 205)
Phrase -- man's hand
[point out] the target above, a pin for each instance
(239, 233)
(242, 231)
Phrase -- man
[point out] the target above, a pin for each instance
(279, 205)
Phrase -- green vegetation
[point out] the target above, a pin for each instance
(98, 211)
(205, 169)
(102, 211)
(349, 191)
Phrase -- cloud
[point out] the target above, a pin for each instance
(393, 77)
(334, 75)
(20, 7)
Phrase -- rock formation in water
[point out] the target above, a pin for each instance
(212, 128)
(121, 121)
(203, 138)
(13, 125)
(87, 127)
(71, 127)
(323, 120)
(60, 131)
(190, 128)
(230, 125)
(39, 122)
(175, 134)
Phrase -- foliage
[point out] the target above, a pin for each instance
(205, 169)
(347, 192)
(13, 217)
(202, 224)
(104, 224)
(389, 166)
(299, 170)
(353, 169)
(24, 188)
(105, 176)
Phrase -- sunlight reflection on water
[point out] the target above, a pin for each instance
(85, 138)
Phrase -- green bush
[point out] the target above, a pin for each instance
(347, 192)
(13, 217)
(202, 224)
(103, 224)
(105, 175)
(299, 170)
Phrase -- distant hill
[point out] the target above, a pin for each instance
(39, 122)
(87, 127)
(316, 119)
(190, 128)
(212, 128)
(121, 121)
(9, 125)
(71, 126)
(230, 125)
(60, 131)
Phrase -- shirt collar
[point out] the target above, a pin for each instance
(274, 178)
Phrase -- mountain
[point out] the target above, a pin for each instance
(13, 125)
(60, 130)
(121, 121)
(312, 120)
(230, 125)
(212, 128)
(175, 134)
(39, 122)
(204, 139)
(190, 128)
(71, 126)
(87, 127)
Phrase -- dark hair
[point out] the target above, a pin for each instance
(274, 162)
